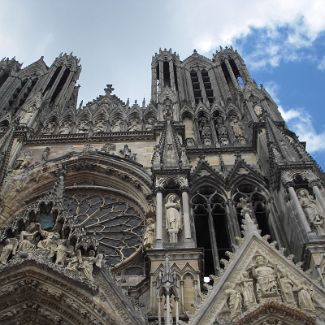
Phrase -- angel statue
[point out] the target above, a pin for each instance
(87, 263)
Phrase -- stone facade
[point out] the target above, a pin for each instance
(200, 207)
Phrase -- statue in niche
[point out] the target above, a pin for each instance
(156, 159)
(87, 263)
(49, 128)
(184, 159)
(258, 111)
(45, 154)
(247, 288)
(27, 237)
(311, 210)
(10, 248)
(149, 124)
(118, 126)
(265, 276)
(234, 300)
(100, 126)
(28, 113)
(65, 127)
(149, 235)
(286, 286)
(127, 153)
(83, 126)
(305, 297)
(237, 128)
(173, 218)
(134, 125)
(205, 131)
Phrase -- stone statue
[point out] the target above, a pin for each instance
(247, 289)
(173, 218)
(65, 127)
(234, 300)
(49, 241)
(149, 235)
(237, 129)
(311, 210)
(117, 127)
(45, 154)
(156, 159)
(305, 297)
(134, 125)
(222, 134)
(149, 124)
(100, 126)
(127, 153)
(286, 286)
(27, 114)
(87, 263)
(62, 250)
(184, 159)
(265, 276)
(27, 237)
(8, 249)
(83, 126)
(49, 128)
(258, 110)
(205, 131)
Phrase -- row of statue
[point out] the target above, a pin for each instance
(58, 250)
(263, 282)
(84, 126)
(221, 130)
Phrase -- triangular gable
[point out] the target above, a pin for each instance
(227, 300)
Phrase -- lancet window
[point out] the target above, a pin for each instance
(211, 227)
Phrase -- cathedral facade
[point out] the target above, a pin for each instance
(199, 207)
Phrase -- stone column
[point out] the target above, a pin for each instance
(153, 84)
(214, 84)
(172, 75)
(159, 216)
(233, 78)
(167, 321)
(159, 311)
(190, 87)
(203, 93)
(319, 197)
(186, 214)
(176, 310)
(301, 215)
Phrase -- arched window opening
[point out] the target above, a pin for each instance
(175, 76)
(196, 86)
(254, 200)
(166, 74)
(210, 214)
(236, 73)
(52, 80)
(207, 86)
(26, 92)
(60, 85)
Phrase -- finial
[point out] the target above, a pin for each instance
(127, 102)
(144, 102)
(109, 89)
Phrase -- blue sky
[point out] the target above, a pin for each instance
(282, 42)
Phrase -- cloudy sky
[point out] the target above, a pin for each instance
(283, 43)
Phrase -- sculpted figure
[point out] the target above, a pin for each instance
(205, 131)
(117, 127)
(65, 127)
(49, 128)
(173, 218)
(83, 126)
(305, 297)
(311, 210)
(73, 261)
(156, 159)
(234, 300)
(237, 129)
(184, 159)
(286, 286)
(10, 248)
(62, 250)
(27, 237)
(134, 125)
(27, 114)
(100, 126)
(266, 278)
(46, 153)
(87, 264)
(149, 235)
(149, 124)
(49, 241)
(247, 288)
(24, 160)
(127, 153)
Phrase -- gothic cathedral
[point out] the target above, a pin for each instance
(199, 207)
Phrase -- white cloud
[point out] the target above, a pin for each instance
(285, 26)
(300, 121)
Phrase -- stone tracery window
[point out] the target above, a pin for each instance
(116, 223)
(211, 227)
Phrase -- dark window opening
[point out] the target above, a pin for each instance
(207, 86)
(60, 85)
(175, 76)
(166, 74)
(51, 82)
(237, 74)
(27, 92)
(196, 87)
